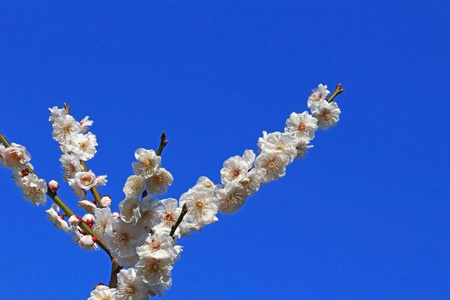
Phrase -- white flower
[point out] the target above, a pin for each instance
(34, 189)
(54, 217)
(85, 123)
(15, 157)
(87, 205)
(201, 204)
(134, 186)
(206, 183)
(301, 125)
(148, 162)
(102, 292)
(154, 271)
(129, 210)
(160, 245)
(318, 95)
(103, 222)
(302, 147)
(231, 197)
(79, 192)
(327, 114)
(64, 127)
(235, 168)
(130, 286)
(150, 211)
(169, 215)
(125, 238)
(251, 181)
(71, 165)
(56, 112)
(277, 141)
(185, 229)
(158, 182)
(85, 180)
(271, 165)
(82, 145)
(101, 180)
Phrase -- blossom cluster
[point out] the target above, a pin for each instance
(143, 235)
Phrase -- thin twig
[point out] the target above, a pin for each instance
(184, 210)
(68, 212)
(162, 144)
(336, 92)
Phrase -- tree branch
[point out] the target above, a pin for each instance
(184, 210)
(68, 212)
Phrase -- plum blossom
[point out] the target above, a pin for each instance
(327, 114)
(148, 162)
(15, 157)
(158, 182)
(318, 95)
(102, 292)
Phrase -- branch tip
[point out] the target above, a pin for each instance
(162, 144)
(67, 107)
(336, 92)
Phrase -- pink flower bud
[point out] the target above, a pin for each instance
(53, 186)
(86, 242)
(74, 220)
(116, 215)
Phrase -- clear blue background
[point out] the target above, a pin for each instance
(364, 216)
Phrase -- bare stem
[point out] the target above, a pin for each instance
(336, 92)
(184, 210)
(4, 140)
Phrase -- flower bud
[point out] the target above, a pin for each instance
(86, 242)
(106, 201)
(116, 215)
(88, 218)
(74, 220)
(53, 186)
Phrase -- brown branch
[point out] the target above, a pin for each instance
(184, 210)
(115, 269)
(162, 144)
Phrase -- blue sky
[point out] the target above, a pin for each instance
(364, 216)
